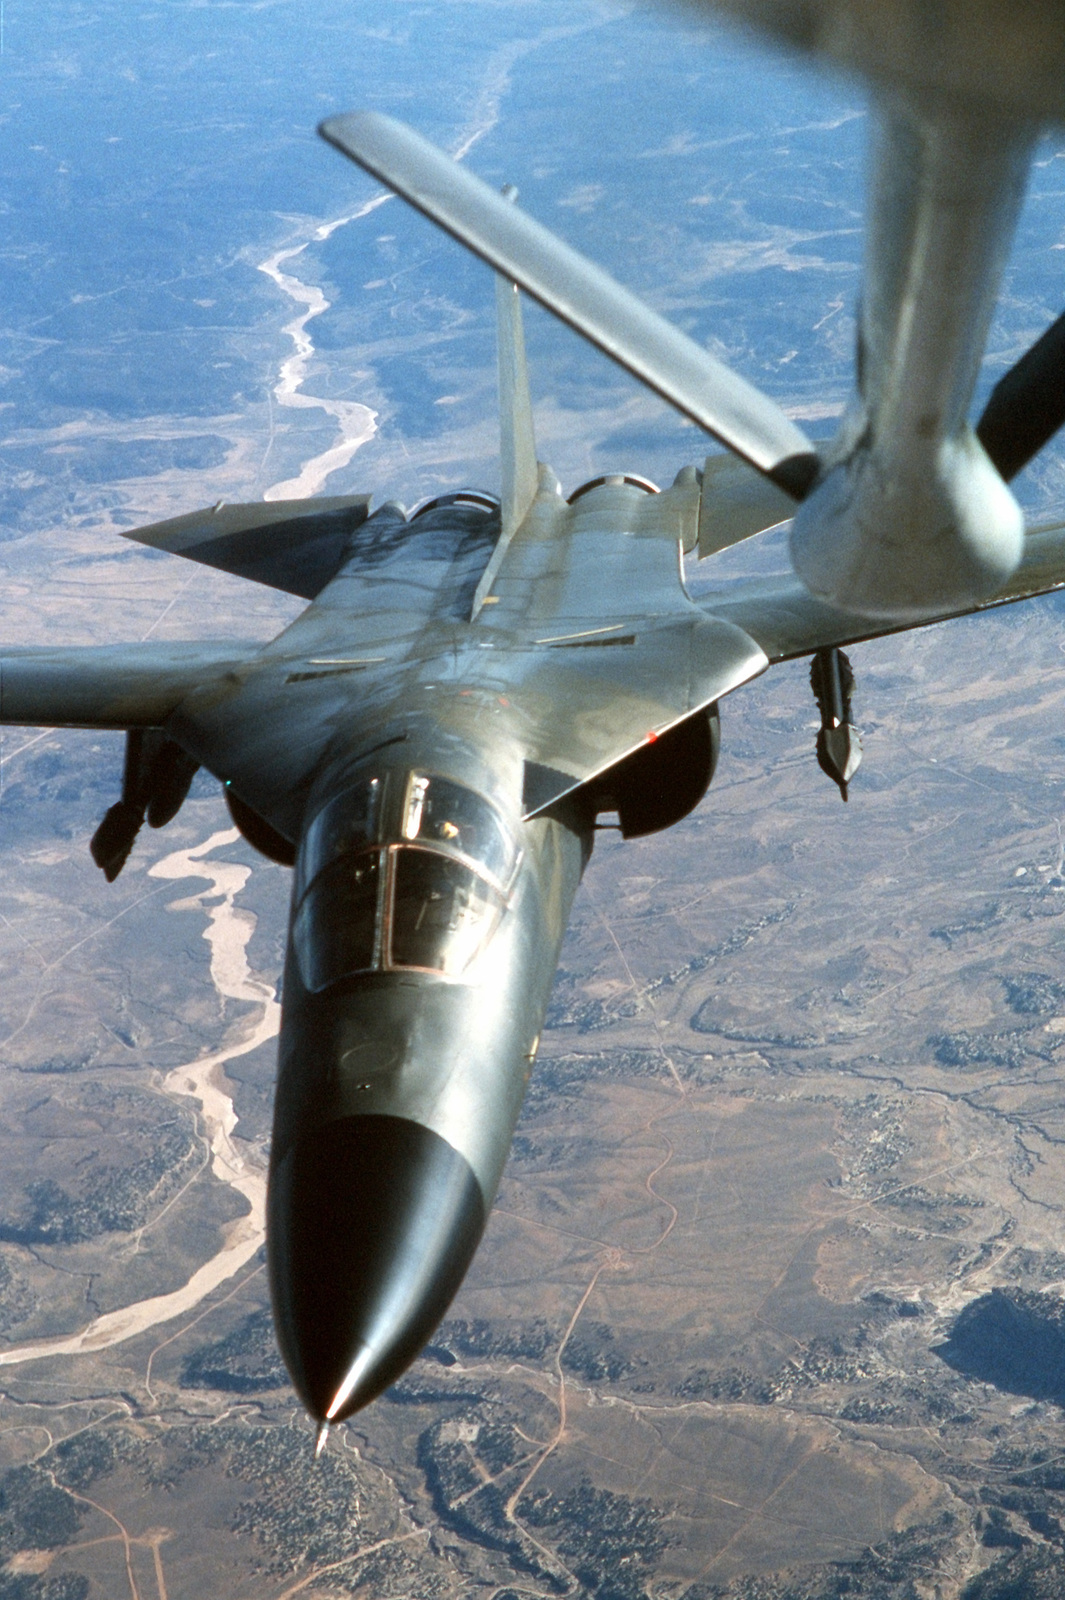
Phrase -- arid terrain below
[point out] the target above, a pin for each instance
(773, 1297)
(772, 1302)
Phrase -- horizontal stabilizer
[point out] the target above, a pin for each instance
(737, 503)
(581, 294)
(294, 545)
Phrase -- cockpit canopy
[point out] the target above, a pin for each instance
(445, 814)
(420, 884)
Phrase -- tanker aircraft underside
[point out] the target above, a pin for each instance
(430, 743)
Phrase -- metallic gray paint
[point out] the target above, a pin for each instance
(582, 294)
(538, 657)
(910, 517)
(372, 1224)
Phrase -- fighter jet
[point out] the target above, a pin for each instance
(430, 744)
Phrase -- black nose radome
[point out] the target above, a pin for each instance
(373, 1221)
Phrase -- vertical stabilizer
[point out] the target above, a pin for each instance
(519, 469)
(517, 442)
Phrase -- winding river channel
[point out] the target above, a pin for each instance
(357, 423)
(229, 928)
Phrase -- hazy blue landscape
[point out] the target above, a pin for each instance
(155, 157)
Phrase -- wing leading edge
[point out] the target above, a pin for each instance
(589, 705)
(788, 621)
(107, 686)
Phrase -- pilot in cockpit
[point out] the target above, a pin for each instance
(427, 900)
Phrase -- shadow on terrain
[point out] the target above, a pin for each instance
(1014, 1339)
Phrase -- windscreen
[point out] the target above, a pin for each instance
(430, 903)
(335, 927)
(445, 813)
(349, 822)
(442, 913)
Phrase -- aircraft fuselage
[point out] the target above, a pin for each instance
(420, 962)
(434, 785)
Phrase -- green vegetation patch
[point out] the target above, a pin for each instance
(590, 1353)
(35, 1513)
(465, 1461)
(1034, 994)
(24, 1586)
(245, 1361)
(1033, 1574)
(610, 1542)
(480, 1340)
(1006, 1050)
